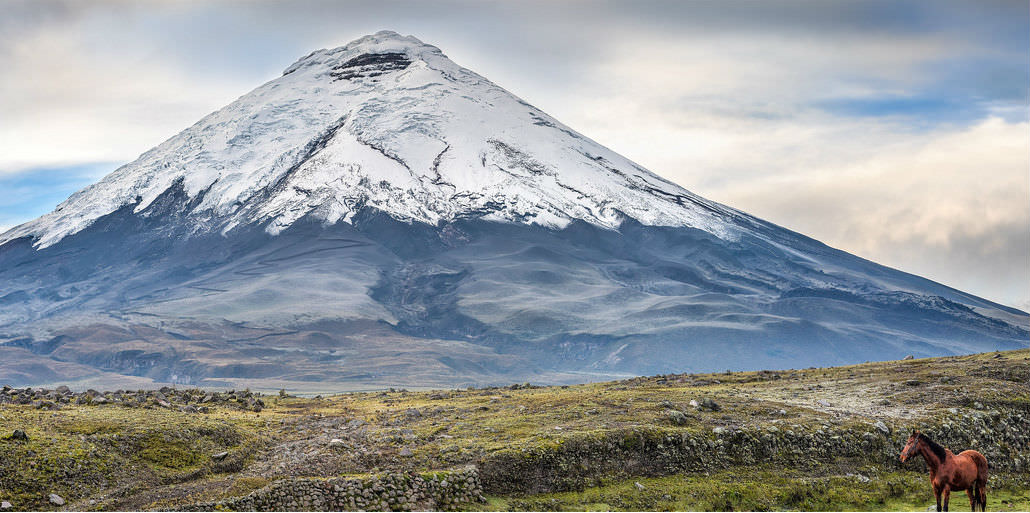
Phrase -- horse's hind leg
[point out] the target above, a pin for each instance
(981, 490)
(973, 500)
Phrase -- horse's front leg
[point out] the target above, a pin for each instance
(937, 494)
(947, 495)
(972, 497)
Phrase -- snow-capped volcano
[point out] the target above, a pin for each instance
(391, 123)
(379, 215)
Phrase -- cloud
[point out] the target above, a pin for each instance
(81, 98)
(952, 205)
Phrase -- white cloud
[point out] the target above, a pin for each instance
(72, 103)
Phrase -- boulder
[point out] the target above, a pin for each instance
(676, 417)
(19, 435)
(56, 500)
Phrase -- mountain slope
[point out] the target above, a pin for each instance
(379, 196)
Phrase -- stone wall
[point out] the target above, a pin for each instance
(585, 460)
(384, 492)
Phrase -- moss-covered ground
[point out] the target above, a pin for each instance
(118, 457)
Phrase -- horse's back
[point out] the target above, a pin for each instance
(979, 460)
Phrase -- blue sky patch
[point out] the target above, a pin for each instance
(26, 195)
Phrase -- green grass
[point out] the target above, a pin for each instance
(78, 450)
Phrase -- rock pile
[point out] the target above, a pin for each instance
(384, 492)
(185, 400)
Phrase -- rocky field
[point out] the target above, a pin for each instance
(809, 439)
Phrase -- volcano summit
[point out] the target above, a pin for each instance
(379, 215)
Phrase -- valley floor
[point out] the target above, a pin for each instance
(811, 439)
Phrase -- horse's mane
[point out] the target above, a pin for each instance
(935, 447)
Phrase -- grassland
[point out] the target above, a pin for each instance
(809, 439)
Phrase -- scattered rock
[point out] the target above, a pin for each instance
(56, 500)
(220, 456)
(708, 404)
(694, 404)
(718, 430)
(406, 452)
(639, 486)
(336, 442)
(824, 403)
(909, 357)
(19, 435)
(882, 427)
(676, 417)
(6, 505)
(913, 382)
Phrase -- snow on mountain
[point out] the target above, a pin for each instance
(391, 123)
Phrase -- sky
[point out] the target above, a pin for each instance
(895, 130)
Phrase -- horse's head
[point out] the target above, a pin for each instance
(910, 446)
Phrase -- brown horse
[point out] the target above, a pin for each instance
(949, 472)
